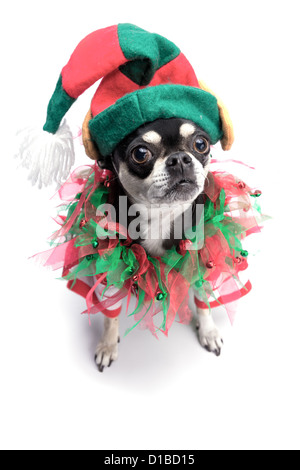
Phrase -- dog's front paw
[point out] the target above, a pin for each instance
(210, 339)
(105, 355)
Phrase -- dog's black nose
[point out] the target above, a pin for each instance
(179, 159)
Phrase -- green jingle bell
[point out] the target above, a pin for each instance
(95, 244)
(257, 193)
(199, 283)
(244, 253)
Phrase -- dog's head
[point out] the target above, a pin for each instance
(163, 162)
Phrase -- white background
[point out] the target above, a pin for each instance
(166, 394)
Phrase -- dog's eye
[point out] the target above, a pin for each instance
(141, 155)
(201, 145)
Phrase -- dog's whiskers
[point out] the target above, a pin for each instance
(115, 178)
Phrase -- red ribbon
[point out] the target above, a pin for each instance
(226, 298)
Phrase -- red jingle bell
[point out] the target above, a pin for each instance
(134, 289)
(242, 185)
(82, 223)
(210, 265)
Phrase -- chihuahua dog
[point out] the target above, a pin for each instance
(161, 166)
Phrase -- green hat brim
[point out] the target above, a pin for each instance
(133, 110)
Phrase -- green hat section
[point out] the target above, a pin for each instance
(146, 53)
(58, 106)
(111, 126)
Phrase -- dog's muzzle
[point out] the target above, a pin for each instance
(181, 169)
(179, 161)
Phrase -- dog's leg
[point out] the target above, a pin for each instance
(107, 349)
(208, 333)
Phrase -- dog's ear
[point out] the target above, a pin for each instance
(228, 138)
(90, 147)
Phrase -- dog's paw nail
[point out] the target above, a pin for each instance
(106, 354)
(211, 340)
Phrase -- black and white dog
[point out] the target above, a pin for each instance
(161, 166)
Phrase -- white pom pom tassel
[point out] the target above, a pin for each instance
(48, 157)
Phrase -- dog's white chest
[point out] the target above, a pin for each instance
(156, 225)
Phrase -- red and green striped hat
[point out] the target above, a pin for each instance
(145, 77)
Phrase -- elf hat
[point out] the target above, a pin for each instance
(145, 77)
